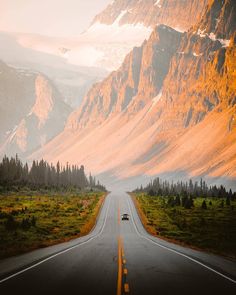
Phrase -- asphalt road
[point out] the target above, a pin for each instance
(117, 257)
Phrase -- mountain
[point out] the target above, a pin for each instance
(22, 94)
(125, 24)
(50, 57)
(168, 110)
(153, 12)
(138, 80)
(112, 34)
(32, 112)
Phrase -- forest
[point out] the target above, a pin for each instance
(14, 175)
(189, 213)
(185, 189)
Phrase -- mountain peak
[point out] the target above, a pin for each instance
(44, 99)
(152, 12)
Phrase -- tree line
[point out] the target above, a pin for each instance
(16, 174)
(185, 189)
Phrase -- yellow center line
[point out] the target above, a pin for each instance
(122, 251)
(119, 278)
(126, 287)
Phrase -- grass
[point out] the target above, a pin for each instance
(212, 229)
(29, 222)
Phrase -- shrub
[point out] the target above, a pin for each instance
(228, 203)
(11, 223)
(204, 205)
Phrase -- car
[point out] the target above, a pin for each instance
(125, 216)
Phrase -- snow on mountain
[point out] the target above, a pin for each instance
(168, 110)
(71, 80)
(113, 33)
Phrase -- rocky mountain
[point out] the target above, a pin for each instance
(32, 111)
(153, 12)
(137, 81)
(168, 110)
(22, 94)
(113, 33)
(49, 57)
(125, 24)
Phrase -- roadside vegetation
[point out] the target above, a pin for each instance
(42, 204)
(190, 213)
(36, 220)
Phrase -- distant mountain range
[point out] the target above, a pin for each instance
(169, 109)
(32, 110)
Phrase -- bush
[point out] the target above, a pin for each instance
(204, 205)
(11, 223)
(228, 203)
(222, 203)
(25, 223)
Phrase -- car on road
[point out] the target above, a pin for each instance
(125, 216)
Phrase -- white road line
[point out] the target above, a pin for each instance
(61, 252)
(175, 251)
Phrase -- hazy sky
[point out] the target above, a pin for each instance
(49, 17)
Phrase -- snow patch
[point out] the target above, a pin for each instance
(116, 22)
(156, 98)
(179, 29)
(201, 33)
(212, 36)
(195, 54)
(224, 42)
(107, 45)
(103, 46)
(157, 3)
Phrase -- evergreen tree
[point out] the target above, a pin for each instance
(204, 205)
(13, 173)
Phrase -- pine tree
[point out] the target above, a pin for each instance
(204, 205)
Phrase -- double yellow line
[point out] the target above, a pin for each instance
(119, 278)
(122, 270)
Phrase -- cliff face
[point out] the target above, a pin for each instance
(34, 119)
(178, 117)
(15, 101)
(138, 80)
(219, 20)
(153, 12)
(125, 24)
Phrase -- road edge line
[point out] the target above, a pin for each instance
(60, 252)
(177, 252)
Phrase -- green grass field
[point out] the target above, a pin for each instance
(212, 229)
(30, 222)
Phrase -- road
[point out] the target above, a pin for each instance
(117, 257)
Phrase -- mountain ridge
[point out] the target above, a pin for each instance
(40, 109)
(185, 125)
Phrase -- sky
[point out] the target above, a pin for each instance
(63, 18)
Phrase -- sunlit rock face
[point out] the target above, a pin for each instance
(126, 23)
(38, 116)
(169, 109)
(137, 81)
(16, 97)
(153, 12)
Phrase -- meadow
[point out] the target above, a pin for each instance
(31, 221)
(209, 225)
